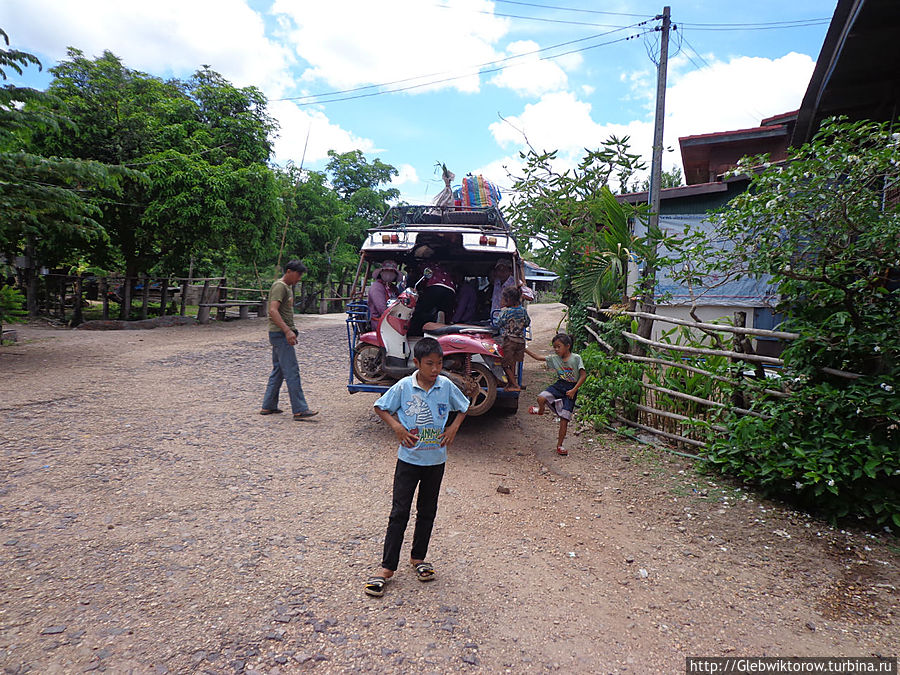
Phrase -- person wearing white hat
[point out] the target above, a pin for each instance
(382, 290)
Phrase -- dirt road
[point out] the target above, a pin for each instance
(152, 522)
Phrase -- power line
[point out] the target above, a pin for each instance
(478, 72)
(566, 9)
(479, 66)
(751, 111)
(739, 27)
(544, 19)
(763, 23)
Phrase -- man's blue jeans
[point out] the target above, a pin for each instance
(284, 368)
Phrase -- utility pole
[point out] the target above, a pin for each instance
(647, 284)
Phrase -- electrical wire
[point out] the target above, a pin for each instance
(761, 24)
(751, 111)
(566, 9)
(542, 19)
(747, 27)
(481, 65)
(459, 77)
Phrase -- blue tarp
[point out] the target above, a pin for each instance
(748, 292)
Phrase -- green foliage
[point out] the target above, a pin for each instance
(202, 146)
(11, 304)
(603, 270)
(43, 198)
(833, 448)
(583, 231)
(612, 386)
(668, 179)
(316, 227)
(577, 321)
(820, 226)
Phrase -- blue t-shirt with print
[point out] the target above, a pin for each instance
(426, 411)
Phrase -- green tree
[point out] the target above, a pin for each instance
(359, 185)
(315, 226)
(824, 226)
(668, 179)
(202, 146)
(583, 233)
(43, 199)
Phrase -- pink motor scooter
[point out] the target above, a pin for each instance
(471, 353)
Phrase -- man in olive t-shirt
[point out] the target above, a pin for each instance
(283, 337)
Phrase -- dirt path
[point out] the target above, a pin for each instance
(151, 522)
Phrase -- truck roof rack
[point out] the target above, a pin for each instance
(480, 217)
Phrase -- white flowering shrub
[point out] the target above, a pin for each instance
(825, 225)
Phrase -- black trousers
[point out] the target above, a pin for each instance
(432, 300)
(406, 477)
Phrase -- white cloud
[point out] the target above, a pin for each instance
(528, 75)
(349, 43)
(323, 135)
(163, 37)
(723, 97)
(560, 121)
(406, 174)
(737, 94)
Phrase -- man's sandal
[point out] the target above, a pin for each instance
(560, 450)
(273, 411)
(424, 571)
(305, 415)
(375, 586)
(534, 410)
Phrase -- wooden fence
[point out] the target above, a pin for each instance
(64, 297)
(676, 392)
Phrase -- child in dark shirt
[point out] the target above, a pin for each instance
(512, 322)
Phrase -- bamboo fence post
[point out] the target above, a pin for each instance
(62, 297)
(145, 296)
(222, 295)
(184, 292)
(125, 311)
(203, 312)
(77, 316)
(104, 297)
(163, 295)
(737, 395)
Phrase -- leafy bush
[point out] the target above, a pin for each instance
(821, 226)
(833, 448)
(577, 320)
(612, 386)
(11, 303)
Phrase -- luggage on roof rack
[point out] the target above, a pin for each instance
(485, 217)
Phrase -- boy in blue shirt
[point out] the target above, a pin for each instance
(416, 408)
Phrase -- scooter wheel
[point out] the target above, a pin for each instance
(482, 401)
(368, 364)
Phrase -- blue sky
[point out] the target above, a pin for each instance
(561, 71)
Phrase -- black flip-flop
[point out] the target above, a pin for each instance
(375, 586)
(424, 571)
(270, 412)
